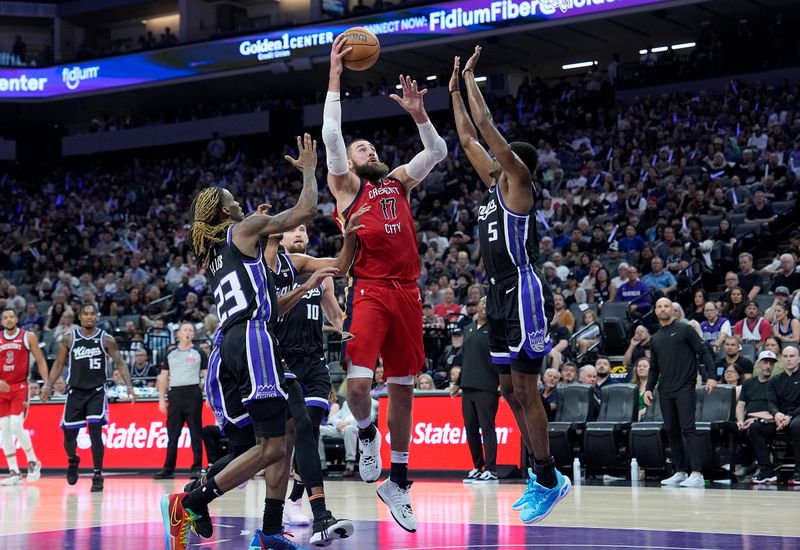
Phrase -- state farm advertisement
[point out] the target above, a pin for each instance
(438, 437)
(135, 437)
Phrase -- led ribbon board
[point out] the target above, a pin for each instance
(260, 50)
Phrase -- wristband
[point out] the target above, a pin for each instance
(467, 71)
(454, 90)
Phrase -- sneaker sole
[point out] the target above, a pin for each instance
(165, 519)
(301, 523)
(394, 517)
(342, 529)
(767, 481)
(564, 492)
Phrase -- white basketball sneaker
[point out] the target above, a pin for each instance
(293, 513)
(399, 503)
(14, 478)
(34, 471)
(676, 479)
(369, 463)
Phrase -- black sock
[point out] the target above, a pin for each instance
(97, 473)
(197, 501)
(399, 474)
(368, 432)
(273, 516)
(532, 462)
(546, 472)
(318, 508)
(297, 490)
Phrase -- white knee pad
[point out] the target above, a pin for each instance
(354, 371)
(401, 380)
(6, 437)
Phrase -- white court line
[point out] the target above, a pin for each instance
(552, 545)
(209, 543)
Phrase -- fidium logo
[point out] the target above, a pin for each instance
(74, 76)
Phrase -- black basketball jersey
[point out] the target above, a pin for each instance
(508, 239)
(242, 288)
(299, 330)
(87, 361)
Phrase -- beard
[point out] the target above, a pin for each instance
(372, 172)
(295, 248)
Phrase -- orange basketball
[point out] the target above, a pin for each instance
(366, 49)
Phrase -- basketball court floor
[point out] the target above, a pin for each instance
(51, 514)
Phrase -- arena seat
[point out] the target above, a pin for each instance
(603, 439)
(716, 427)
(571, 416)
(648, 439)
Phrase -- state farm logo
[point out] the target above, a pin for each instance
(428, 433)
(74, 76)
(135, 437)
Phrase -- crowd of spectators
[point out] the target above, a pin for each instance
(661, 196)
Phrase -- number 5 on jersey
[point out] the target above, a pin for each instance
(492, 232)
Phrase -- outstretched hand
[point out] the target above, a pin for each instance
(338, 51)
(352, 224)
(411, 101)
(452, 86)
(307, 158)
(472, 61)
(320, 275)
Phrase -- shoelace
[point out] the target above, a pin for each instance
(283, 536)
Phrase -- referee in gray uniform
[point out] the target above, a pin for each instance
(184, 373)
(479, 384)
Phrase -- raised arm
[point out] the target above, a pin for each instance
(303, 263)
(330, 305)
(36, 351)
(434, 147)
(340, 180)
(467, 134)
(247, 232)
(58, 366)
(291, 298)
(520, 192)
(113, 351)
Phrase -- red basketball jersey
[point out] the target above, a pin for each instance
(14, 357)
(387, 246)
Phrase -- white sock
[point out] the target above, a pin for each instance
(399, 457)
(364, 424)
(12, 463)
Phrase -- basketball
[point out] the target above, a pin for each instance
(366, 49)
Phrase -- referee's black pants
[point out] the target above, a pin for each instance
(479, 408)
(185, 406)
(677, 409)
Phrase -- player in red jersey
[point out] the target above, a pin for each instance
(383, 314)
(16, 347)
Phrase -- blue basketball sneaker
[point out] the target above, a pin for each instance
(521, 501)
(542, 500)
(274, 542)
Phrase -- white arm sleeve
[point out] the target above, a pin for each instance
(335, 150)
(434, 152)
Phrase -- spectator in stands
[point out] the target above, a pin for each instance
(787, 276)
(425, 382)
(32, 321)
(631, 241)
(661, 282)
(54, 316)
(603, 290)
(550, 277)
(783, 393)
(588, 375)
(449, 310)
(562, 316)
(753, 329)
(760, 211)
(732, 349)
(65, 326)
(192, 312)
(787, 329)
(753, 405)
(142, 372)
(430, 319)
(569, 373)
(679, 316)
(468, 315)
(341, 424)
(378, 383)
(14, 301)
(714, 328)
(775, 345)
(622, 276)
(733, 376)
(780, 296)
(664, 249)
(635, 292)
(603, 369)
(699, 300)
(749, 280)
(734, 306)
(559, 336)
(176, 272)
(678, 258)
(640, 373)
(639, 347)
(549, 392)
(59, 389)
(452, 355)
(573, 294)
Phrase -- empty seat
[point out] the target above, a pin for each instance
(603, 439)
(716, 427)
(574, 408)
(648, 439)
(736, 219)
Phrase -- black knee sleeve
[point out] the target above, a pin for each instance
(98, 449)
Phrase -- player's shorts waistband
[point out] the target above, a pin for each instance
(505, 275)
(387, 283)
